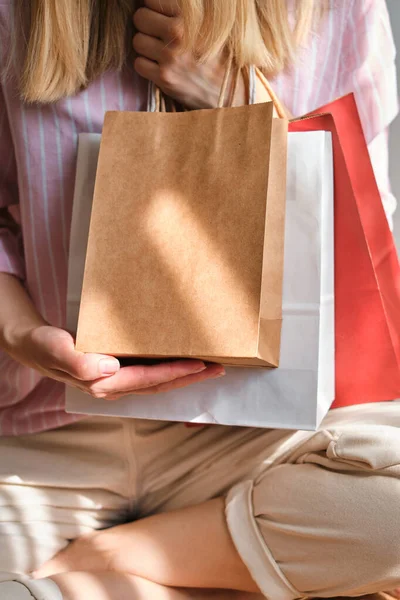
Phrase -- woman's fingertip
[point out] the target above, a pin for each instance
(200, 369)
(219, 374)
(109, 366)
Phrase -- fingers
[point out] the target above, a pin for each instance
(157, 25)
(140, 377)
(160, 32)
(101, 375)
(170, 8)
(149, 47)
(88, 367)
(59, 348)
(152, 23)
(212, 372)
(148, 69)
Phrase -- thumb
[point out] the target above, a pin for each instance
(64, 357)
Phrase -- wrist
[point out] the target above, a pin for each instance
(18, 315)
(14, 334)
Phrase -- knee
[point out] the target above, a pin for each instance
(333, 532)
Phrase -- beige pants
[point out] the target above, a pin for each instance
(311, 514)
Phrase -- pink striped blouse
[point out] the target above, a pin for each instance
(353, 51)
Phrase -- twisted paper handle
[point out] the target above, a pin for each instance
(158, 102)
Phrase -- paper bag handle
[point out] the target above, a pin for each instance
(164, 104)
(281, 110)
(222, 93)
(158, 102)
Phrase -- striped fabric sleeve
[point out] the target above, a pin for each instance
(11, 253)
(369, 71)
(368, 65)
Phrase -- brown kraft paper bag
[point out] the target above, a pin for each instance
(185, 250)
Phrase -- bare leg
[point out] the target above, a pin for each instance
(119, 586)
(172, 549)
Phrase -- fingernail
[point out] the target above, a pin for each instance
(217, 375)
(201, 369)
(108, 366)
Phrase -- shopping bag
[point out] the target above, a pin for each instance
(298, 394)
(367, 283)
(185, 250)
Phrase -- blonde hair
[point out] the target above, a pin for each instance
(71, 42)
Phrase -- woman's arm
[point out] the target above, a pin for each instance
(11, 253)
(26, 336)
(17, 312)
(51, 351)
(18, 315)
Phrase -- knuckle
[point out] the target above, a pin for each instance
(168, 55)
(138, 63)
(139, 16)
(99, 395)
(35, 335)
(140, 377)
(176, 30)
(81, 370)
(169, 374)
(138, 42)
(143, 379)
(149, 381)
(52, 339)
(167, 78)
(96, 392)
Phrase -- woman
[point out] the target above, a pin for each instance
(256, 512)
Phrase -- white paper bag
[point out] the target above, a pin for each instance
(299, 393)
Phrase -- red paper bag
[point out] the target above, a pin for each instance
(367, 271)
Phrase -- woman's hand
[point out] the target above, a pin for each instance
(51, 351)
(178, 74)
